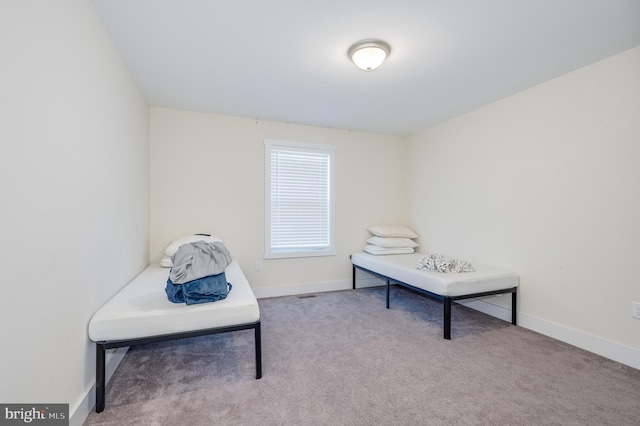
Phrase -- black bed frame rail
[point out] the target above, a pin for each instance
(102, 346)
(446, 299)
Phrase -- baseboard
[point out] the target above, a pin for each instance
(317, 287)
(611, 350)
(606, 348)
(81, 411)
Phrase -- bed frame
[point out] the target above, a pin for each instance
(140, 314)
(446, 299)
(102, 346)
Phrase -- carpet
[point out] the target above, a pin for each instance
(341, 358)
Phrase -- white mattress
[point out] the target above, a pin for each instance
(402, 267)
(141, 309)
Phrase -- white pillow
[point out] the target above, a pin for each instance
(166, 262)
(381, 250)
(172, 248)
(392, 242)
(394, 231)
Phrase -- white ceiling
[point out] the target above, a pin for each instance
(286, 60)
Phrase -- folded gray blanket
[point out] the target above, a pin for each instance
(197, 260)
(440, 263)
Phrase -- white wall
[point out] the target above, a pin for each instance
(545, 182)
(74, 188)
(207, 175)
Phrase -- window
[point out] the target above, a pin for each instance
(299, 200)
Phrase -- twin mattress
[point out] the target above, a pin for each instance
(402, 267)
(141, 309)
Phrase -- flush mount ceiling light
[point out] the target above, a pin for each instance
(369, 54)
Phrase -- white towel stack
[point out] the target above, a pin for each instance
(391, 239)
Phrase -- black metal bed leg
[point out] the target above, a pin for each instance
(258, 339)
(100, 356)
(514, 320)
(447, 318)
(354, 277)
(388, 285)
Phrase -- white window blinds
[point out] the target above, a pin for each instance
(299, 199)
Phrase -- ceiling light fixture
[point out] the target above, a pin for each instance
(369, 54)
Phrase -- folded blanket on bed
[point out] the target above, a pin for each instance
(203, 290)
(440, 263)
(198, 260)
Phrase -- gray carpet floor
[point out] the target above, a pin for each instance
(341, 358)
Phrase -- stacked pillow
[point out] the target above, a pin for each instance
(173, 247)
(391, 239)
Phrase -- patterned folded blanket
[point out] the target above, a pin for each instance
(440, 263)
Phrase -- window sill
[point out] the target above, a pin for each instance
(294, 254)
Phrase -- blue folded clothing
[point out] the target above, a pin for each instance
(202, 290)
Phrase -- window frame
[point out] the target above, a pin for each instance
(270, 145)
